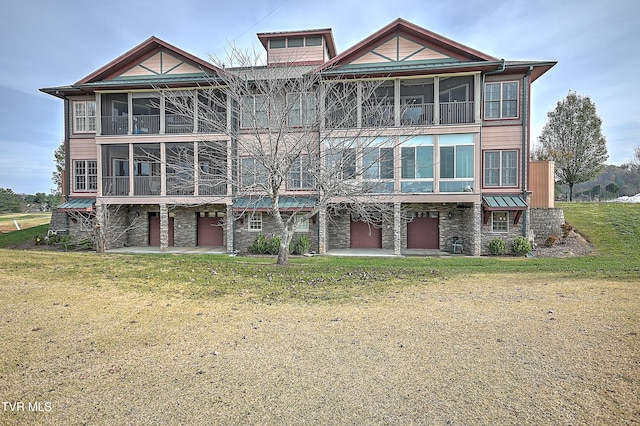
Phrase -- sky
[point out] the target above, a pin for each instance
(46, 43)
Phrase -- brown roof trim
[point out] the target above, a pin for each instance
(141, 51)
(415, 32)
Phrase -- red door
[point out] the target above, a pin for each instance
(154, 230)
(209, 231)
(364, 235)
(422, 233)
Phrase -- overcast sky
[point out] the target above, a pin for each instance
(48, 43)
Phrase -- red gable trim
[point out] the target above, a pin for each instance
(138, 54)
(414, 32)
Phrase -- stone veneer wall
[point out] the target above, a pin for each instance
(243, 238)
(513, 232)
(546, 222)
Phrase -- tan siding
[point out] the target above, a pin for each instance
(296, 54)
(184, 69)
(154, 63)
(369, 58)
(83, 149)
(542, 184)
(502, 137)
(389, 49)
(169, 62)
(427, 54)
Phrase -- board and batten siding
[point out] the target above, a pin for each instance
(159, 64)
(399, 49)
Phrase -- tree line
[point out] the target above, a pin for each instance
(11, 202)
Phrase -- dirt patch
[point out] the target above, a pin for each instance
(572, 245)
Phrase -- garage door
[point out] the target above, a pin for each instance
(154, 230)
(422, 233)
(209, 231)
(364, 235)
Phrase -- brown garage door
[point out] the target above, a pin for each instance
(364, 235)
(422, 233)
(154, 230)
(209, 231)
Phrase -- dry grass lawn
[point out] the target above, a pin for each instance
(519, 349)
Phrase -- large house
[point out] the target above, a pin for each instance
(453, 165)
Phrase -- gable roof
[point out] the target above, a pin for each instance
(143, 52)
(403, 43)
(152, 62)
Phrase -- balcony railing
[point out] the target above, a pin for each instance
(146, 124)
(175, 123)
(112, 125)
(115, 185)
(417, 114)
(456, 112)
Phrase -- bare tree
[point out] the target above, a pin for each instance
(106, 226)
(293, 135)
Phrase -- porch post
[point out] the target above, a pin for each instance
(322, 231)
(164, 227)
(397, 232)
(229, 225)
(436, 100)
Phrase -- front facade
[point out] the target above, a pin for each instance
(453, 167)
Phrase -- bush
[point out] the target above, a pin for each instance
(551, 241)
(520, 246)
(260, 245)
(273, 246)
(301, 245)
(497, 246)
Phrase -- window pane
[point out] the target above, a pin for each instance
(492, 92)
(464, 161)
(492, 110)
(294, 110)
(510, 109)
(500, 221)
(386, 163)
(424, 162)
(295, 42)
(509, 168)
(314, 41)
(492, 168)
(510, 91)
(277, 43)
(446, 162)
(408, 159)
(370, 164)
(248, 171)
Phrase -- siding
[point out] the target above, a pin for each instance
(399, 49)
(160, 63)
(83, 149)
(502, 137)
(297, 54)
(542, 184)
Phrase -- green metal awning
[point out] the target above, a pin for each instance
(504, 202)
(77, 205)
(284, 203)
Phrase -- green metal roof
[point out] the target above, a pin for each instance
(504, 202)
(78, 204)
(284, 203)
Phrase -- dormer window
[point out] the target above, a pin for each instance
(277, 43)
(295, 42)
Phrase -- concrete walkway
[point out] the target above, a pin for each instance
(334, 252)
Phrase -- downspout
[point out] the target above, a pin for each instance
(66, 183)
(525, 152)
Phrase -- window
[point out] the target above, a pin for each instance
(85, 175)
(377, 163)
(501, 100)
(303, 224)
(299, 174)
(500, 221)
(313, 41)
(456, 162)
(301, 109)
(295, 42)
(277, 43)
(342, 163)
(254, 111)
(253, 172)
(417, 162)
(255, 222)
(84, 117)
(501, 168)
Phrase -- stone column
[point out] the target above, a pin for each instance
(229, 225)
(164, 227)
(322, 231)
(475, 247)
(397, 229)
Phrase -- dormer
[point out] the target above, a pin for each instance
(308, 47)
